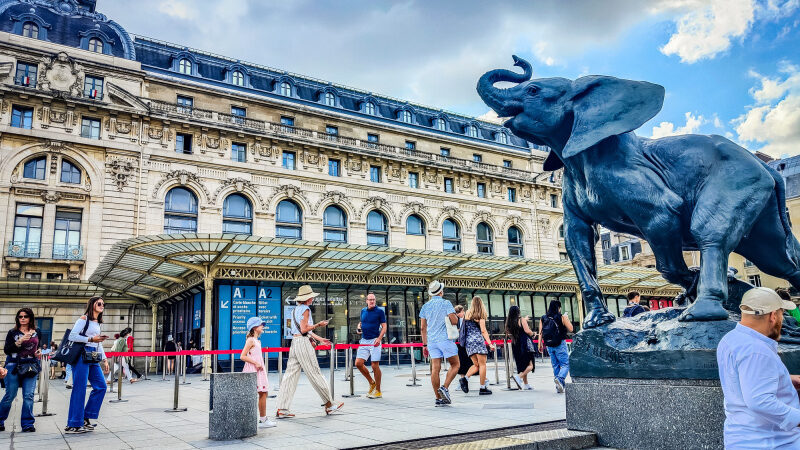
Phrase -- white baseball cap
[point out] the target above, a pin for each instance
(759, 301)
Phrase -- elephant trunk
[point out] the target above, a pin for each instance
(504, 102)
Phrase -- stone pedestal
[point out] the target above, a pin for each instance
(235, 403)
(648, 414)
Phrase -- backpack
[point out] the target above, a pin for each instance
(551, 331)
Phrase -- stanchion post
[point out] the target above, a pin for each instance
(349, 368)
(280, 370)
(214, 362)
(111, 374)
(146, 367)
(413, 369)
(333, 357)
(233, 361)
(39, 381)
(177, 386)
(163, 368)
(496, 369)
(44, 375)
(183, 357)
(119, 399)
(507, 351)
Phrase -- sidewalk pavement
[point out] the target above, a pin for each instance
(403, 413)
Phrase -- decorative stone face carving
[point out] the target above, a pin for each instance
(239, 185)
(121, 171)
(51, 196)
(544, 224)
(183, 177)
(61, 73)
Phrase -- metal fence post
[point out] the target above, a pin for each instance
(111, 374)
(233, 361)
(507, 352)
(184, 369)
(119, 380)
(146, 367)
(164, 368)
(333, 357)
(177, 386)
(349, 368)
(496, 369)
(44, 376)
(413, 369)
(280, 371)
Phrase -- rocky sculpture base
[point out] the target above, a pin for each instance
(647, 414)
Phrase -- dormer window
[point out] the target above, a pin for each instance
(96, 45)
(330, 99)
(185, 66)
(502, 138)
(405, 116)
(472, 131)
(238, 78)
(31, 30)
(369, 108)
(286, 89)
(439, 124)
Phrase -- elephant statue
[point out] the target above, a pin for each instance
(689, 192)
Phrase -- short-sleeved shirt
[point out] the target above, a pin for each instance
(434, 313)
(371, 320)
(297, 314)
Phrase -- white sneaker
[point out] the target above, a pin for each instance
(517, 380)
(266, 423)
(527, 387)
(559, 385)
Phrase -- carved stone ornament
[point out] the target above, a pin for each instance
(53, 163)
(450, 212)
(61, 73)
(376, 203)
(482, 216)
(414, 208)
(465, 183)
(544, 224)
(239, 185)
(51, 196)
(155, 133)
(123, 127)
(356, 165)
(121, 171)
(312, 158)
(212, 143)
(183, 177)
(59, 117)
(335, 198)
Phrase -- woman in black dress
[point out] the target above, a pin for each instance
(463, 358)
(522, 347)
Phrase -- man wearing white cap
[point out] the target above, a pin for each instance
(762, 409)
(435, 342)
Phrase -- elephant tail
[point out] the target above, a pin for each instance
(792, 246)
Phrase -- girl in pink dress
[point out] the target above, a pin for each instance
(254, 362)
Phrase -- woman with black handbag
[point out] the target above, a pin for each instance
(522, 347)
(87, 368)
(23, 367)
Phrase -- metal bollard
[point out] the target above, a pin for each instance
(496, 369)
(184, 370)
(39, 381)
(233, 362)
(175, 397)
(333, 357)
(146, 368)
(214, 363)
(44, 375)
(280, 371)
(119, 381)
(507, 352)
(413, 369)
(349, 369)
(163, 368)
(111, 375)
(266, 371)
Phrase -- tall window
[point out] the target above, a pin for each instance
(411, 145)
(289, 220)
(512, 195)
(375, 174)
(288, 160)
(481, 190)
(485, 239)
(96, 45)
(405, 116)
(507, 163)
(369, 108)
(330, 99)
(27, 230)
(22, 117)
(445, 152)
(334, 167)
(372, 140)
(439, 124)
(515, 242)
(502, 138)
(377, 229)
(93, 87)
(451, 236)
(70, 173)
(561, 234)
(67, 238)
(286, 89)
(477, 157)
(180, 211)
(90, 128)
(35, 168)
(448, 185)
(185, 104)
(26, 74)
(183, 143)
(31, 30)
(287, 121)
(415, 225)
(237, 215)
(238, 78)
(238, 111)
(334, 224)
(332, 132)
(553, 201)
(185, 66)
(755, 280)
(239, 152)
(472, 131)
(413, 179)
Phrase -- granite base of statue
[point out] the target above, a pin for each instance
(235, 406)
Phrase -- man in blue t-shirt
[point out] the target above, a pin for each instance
(435, 342)
(372, 329)
(634, 307)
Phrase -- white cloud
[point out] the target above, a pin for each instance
(774, 122)
(490, 116)
(178, 9)
(668, 128)
(717, 122)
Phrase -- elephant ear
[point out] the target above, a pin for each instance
(606, 106)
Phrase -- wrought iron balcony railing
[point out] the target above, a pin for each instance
(70, 252)
(22, 249)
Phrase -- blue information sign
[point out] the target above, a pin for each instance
(198, 312)
(269, 309)
(224, 320)
(243, 307)
(239, 302)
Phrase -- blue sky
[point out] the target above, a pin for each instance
(730, 67)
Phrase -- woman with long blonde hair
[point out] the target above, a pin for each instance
(477, 341)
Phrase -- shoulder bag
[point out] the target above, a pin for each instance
(69, 351)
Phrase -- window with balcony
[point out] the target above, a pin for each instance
(375, 174)
(239, 152)
(477, 157)
(183, 143)
(288, 220)
(507, 163)
(70, 173)
(22, 117)
(180, 211)
(185, 104)
(472, 131)
(413, 180)
(377, 229)
(238, 111)
(26, 74)
(372, 140)
(90, 128)
(67, 237)
(330, 99)
(334, 224)
(35, 169)
(448, 185)
(411, 145)
(31, 30)
(481, 190)
(288, 160)
(444, 151)
(515, 246)
(238, 78)
(451, 236)
(369, 108)
(96, 45)
(439, 124)
(512, 195)
(287, 121)
(334, 167)
(286, 89)
(27, 231)
(185, 66)
(553, 201)
(332, 132)
(93, 87)
(237, 215)
(485, 239)
(405, 116)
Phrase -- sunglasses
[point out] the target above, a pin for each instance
(23, 317)
(100, 304)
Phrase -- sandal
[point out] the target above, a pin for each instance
(329, 411)
(283, 414)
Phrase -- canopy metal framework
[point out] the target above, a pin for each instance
(54, 291)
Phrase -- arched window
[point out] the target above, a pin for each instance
(185, 66)
(405, 116)
(472, 131)
(238, 78)
(35, 168)
(561, 231)
(289, 220)
(334, 224)
(485, 239)
(70, 173)
(415, 225)
(369, 108)
(451, 236)
(502, 138)
(286, 89)
(180, 211)
(515, 242)
(330, 99)
(237, 215)
(96, 45)
(31, 30)
(439, 124)
(377, 229)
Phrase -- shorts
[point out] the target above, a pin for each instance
(372, 353)
(442, 349)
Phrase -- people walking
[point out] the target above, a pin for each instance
(53, 363)
(121, 346)
(435, 340)
(476, 338)
(762, 409)
(464, 361)
(634, 307)
(87, 368)
(373, 328)
(254, 363)
(170, 346)
(553, 329)
(302, 356)
(22, 352)
(522, 347)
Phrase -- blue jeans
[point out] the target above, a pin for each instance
(559, 358)
(82, 372)
(14, 382)
(68, 377)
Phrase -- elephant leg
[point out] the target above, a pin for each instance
(580, 238)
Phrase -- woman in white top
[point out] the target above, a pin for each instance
(87, 367)
(302, 356)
